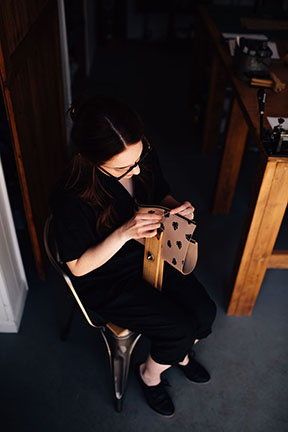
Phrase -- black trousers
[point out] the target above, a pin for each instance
(171, 320)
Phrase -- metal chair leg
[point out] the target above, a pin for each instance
(119, 349)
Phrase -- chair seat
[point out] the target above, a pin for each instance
(118, 331)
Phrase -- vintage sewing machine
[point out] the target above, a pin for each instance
(252, 58)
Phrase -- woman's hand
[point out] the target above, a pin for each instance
(141, 225)
(186, 209)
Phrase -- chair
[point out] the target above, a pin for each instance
(119, 342)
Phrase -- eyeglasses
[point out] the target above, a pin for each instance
(146, 150)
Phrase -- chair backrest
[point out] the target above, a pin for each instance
(53, 255)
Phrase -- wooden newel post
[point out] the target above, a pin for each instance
(153, 264)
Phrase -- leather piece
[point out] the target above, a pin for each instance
(179, 249)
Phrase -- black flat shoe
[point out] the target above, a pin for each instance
(156, 396)
(195, 372)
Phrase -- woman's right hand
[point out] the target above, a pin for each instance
(141, 225)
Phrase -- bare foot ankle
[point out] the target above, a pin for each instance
(185, 361)
(148, 380)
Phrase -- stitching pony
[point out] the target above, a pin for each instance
(179, 249)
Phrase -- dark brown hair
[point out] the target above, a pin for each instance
(102, 128)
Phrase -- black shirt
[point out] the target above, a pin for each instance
(75, 227)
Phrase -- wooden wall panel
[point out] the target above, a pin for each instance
(17, 18)
(33, 95)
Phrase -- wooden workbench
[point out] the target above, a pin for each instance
(269, 198)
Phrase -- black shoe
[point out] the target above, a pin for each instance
(195, 372)
(156, 396)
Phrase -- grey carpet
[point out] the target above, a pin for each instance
(48, 385)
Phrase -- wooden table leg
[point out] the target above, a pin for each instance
(231, 160)
(278, 259)
(256, 249)
(214, 106)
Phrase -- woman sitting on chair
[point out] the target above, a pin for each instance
(97, 228)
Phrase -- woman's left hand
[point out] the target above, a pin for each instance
(186, 209)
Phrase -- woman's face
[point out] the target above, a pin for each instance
(121, 162)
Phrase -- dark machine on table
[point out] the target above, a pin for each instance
(275, 141)
(252, 60)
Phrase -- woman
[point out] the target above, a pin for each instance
(99, 232)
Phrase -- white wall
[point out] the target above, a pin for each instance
(13, 283)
